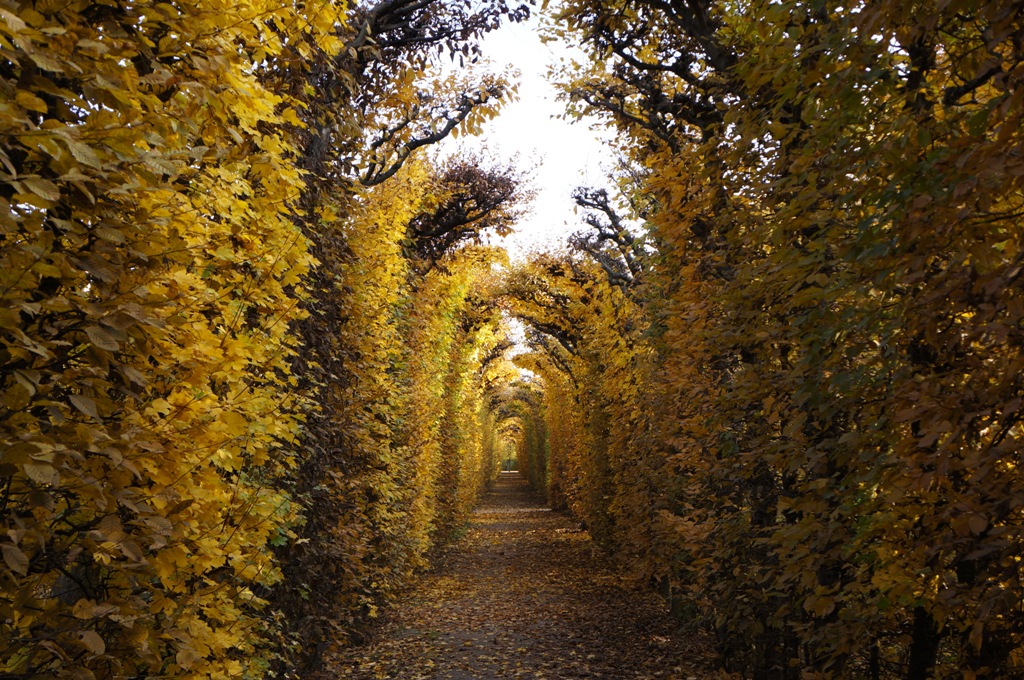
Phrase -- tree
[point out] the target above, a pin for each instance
(610, 242)
(822, 236)
(151, 273)
(473, 202)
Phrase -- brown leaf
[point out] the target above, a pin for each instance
(16, 560)
(85, 404)
(93, 642)
(102, 338)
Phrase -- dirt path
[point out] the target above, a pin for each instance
(524, 596)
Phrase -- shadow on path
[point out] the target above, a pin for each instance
(524, 595)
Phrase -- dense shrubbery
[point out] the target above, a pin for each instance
(820, 458)
(220, 359)
(254, 352)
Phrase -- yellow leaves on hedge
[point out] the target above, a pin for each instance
(828, 441)
(594, 366)
(410, 386)
(153, 271)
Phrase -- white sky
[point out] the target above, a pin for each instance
(559, 155)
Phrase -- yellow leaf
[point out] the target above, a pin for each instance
(84, 609)
(43, 188)
(30, 101)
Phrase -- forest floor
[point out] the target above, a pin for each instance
(524, 594)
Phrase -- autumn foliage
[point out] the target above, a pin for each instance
(257, 359)
(798, 409)
(218, 356)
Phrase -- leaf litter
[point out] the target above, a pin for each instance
(525, 594)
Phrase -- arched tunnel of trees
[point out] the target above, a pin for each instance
(262, 349)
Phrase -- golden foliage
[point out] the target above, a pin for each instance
(819, 461)
(150, 275)
(153, 272)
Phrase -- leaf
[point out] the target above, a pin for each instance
(46, 63)
(40, 472)
(30, 101)
(93, 642)
(84, 609)
(179, 506)
(12, 20)
(133, 375)
(16, 560)
(93, 45)
(108, 234)
(236, 424)
(977, 636)
(16, 397)
(43, 188)
(102, 338)
(85, 404)
(83, 153)
(186, 658)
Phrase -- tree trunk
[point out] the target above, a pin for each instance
(924, 646)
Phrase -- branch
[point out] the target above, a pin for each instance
(692, 18)
(373, 176)
(540, 340)
(614, 232)
(370, 28)
(953, 95)
(558, 334)
(497, 352)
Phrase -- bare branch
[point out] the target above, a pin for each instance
(376, 172)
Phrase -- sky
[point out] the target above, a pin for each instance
(559, 155)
